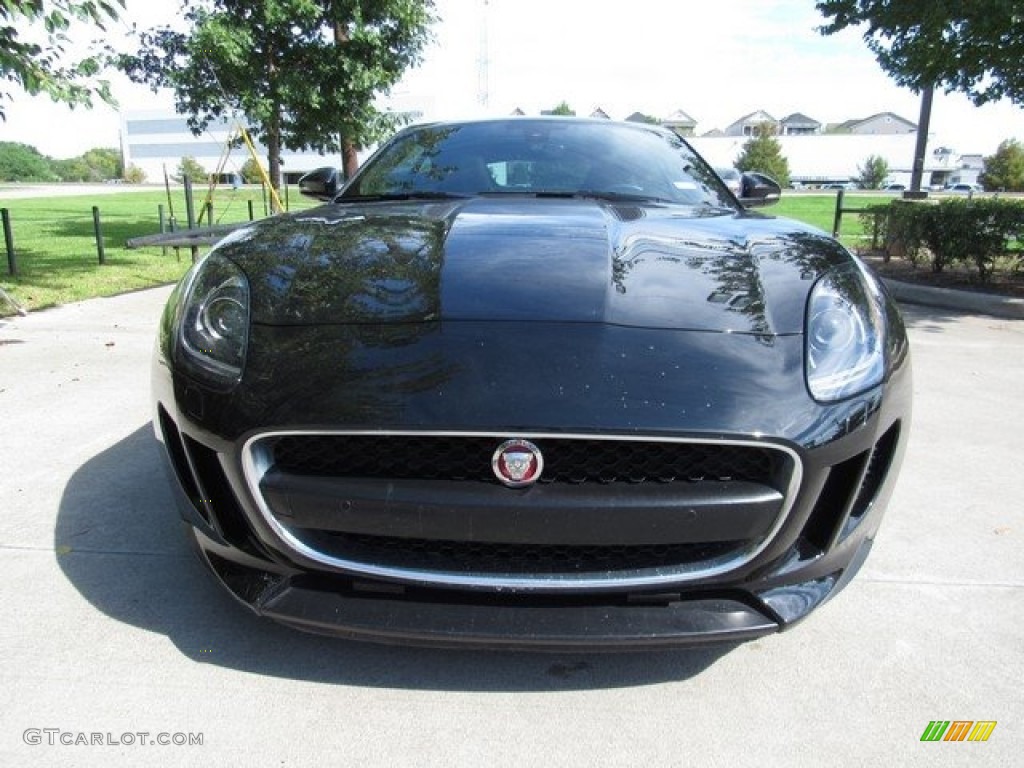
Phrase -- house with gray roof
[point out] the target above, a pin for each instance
(882, 124)
(681, 123)
(799, 124)
(748, 125)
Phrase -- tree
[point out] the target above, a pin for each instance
(72, 169)
(873, 173)
(303, 73)
(973, 47)
(191, 167)
(20, 162)
(763, 153)
(106, 162)
(98, 164)
(39, 67)
(1005, 169)
(134, 175)
(563, 109)
(251, 171)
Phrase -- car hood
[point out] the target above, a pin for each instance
(528, 259)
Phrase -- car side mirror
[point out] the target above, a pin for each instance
(758, 190)
(322, 184)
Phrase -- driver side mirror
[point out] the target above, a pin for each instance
(758, 190)
(322, 184)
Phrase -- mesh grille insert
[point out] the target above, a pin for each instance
(484, 557)
(566, 460)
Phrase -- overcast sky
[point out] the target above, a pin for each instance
(715, 59)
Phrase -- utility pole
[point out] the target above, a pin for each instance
(920, 149)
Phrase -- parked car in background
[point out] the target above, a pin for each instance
(894, 187)
(731, 177)
(964, 189)
(533, 383)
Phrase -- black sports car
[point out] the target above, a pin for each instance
(533, 382)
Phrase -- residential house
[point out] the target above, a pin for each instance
(799, 124)
(681, 123)
(884, 124)
(749, 125)
(640, 117)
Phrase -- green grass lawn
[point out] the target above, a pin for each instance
(55, 244)
(58, 263)
(819, 209)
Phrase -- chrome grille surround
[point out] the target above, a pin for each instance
(256, 461)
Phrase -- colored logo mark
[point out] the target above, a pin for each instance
(958, 730)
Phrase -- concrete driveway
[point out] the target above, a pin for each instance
(113, 630)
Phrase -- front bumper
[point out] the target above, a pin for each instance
(847, 454)
(388, 613)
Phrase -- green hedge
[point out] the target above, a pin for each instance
(981, 233)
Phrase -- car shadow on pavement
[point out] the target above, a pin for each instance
(929, 319)
(120, 543)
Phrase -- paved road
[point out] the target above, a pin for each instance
(17, 191)
(112, 628)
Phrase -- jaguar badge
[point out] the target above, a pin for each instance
(517, 463)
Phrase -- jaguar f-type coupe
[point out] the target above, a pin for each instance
(533, 383)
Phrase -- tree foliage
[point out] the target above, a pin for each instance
(873, 173)
(1005, 169)
(763, 153)
(20, 162)
(973, 47)
(192, 168)
(33, 47)
(98, 164)
(251, 171)
(563, 108)
(133, 174)
(303, 74)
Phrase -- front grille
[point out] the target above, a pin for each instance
(351, 505)
(490, 558)
(566, 460)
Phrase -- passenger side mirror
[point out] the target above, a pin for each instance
(322, 184)
(758, 190)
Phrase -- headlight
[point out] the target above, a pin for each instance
(215, 320)
(845, 349)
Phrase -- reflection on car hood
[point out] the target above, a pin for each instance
(522, 259)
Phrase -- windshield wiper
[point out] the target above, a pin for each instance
(620, 197)
(581, 194)
(399, 196)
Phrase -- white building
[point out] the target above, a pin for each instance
(154, 141)
(825, 158)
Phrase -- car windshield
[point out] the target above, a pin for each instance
(540, 158)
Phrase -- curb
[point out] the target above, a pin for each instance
(963, 301)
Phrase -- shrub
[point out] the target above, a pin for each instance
(971, 232)
(134, 175)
